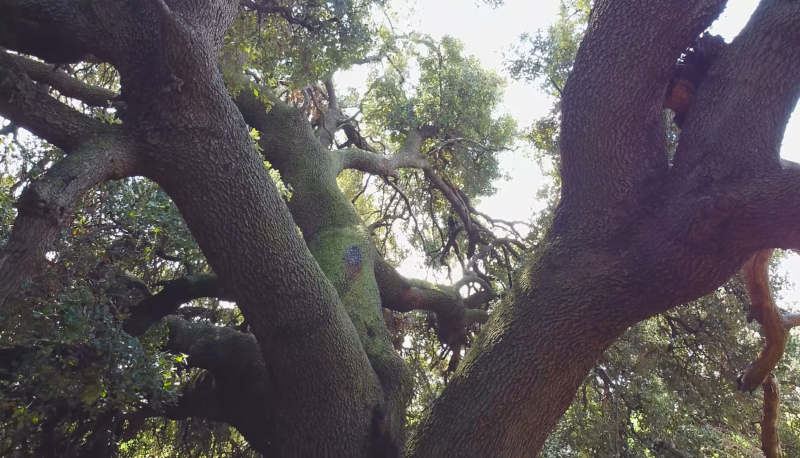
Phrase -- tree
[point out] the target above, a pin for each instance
(667, 386)
(635, 233)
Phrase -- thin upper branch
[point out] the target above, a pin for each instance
(71, 87)
(410, 156)
(28, 105)
(737, 121)
(765, 208)
(611, 133)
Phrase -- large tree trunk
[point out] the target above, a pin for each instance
(632, 236)
(192, 141)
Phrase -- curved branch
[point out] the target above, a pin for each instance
(166, 302)
(378, 164)
(236, 389)
(791, 319)
(68, 86)
(28, 105)
(409, 157)
(764, 311)
(219, 349)
(612, 137)
(46, 206)
(403, 295)
(740, 113)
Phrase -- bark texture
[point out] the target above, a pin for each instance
(632, 236)
(195, 144)
(636, 232)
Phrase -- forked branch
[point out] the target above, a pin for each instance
(403, 295)
(28, 105)
(166, 302)
(611, 132)
(46, 206)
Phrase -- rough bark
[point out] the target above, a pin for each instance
(235, 387)
(763, 309)
(96, 152)
(196, 146)
(46, 206)
(339, 242)
(631, 237)
(223, 191)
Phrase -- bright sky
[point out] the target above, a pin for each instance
(488, 33)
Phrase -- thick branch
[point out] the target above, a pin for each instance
(765, 208)
(611, 132)
(333, 118)
(409, 156)
(219, 349)
(403, 295)
(333, 101)
(377, 164)
(791, 319)
(740, 113)
(166, 302)
(28, 105)
(237, 387)
(252, 243)
(71, 87)
(46, 206)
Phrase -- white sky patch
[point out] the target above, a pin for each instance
(733, 19)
